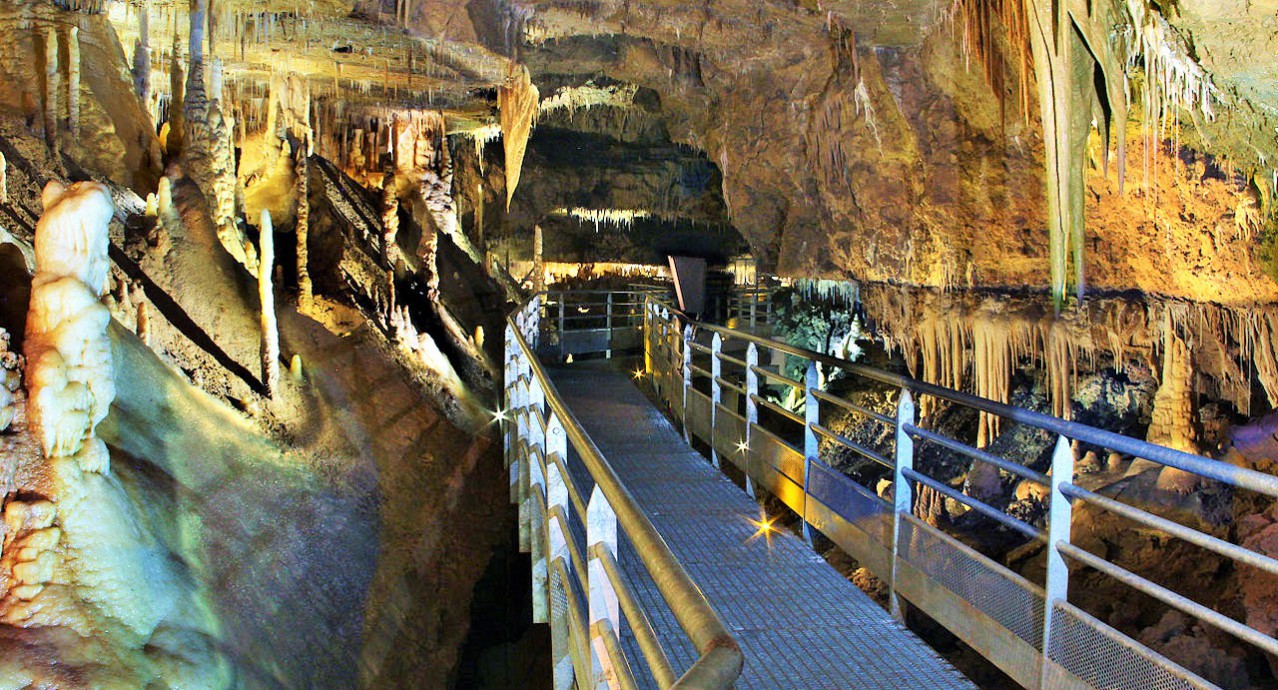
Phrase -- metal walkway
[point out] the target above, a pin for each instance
(800, 624)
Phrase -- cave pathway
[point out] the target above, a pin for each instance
(800, 623)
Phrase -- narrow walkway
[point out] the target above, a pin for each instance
(800, 623)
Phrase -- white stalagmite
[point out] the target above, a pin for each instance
(51, 83)
(69, 374)
(4, 180)
(73, 80)
(266, 294)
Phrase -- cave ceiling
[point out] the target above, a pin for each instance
(848, 139)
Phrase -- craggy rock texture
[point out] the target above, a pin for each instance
(115, 137)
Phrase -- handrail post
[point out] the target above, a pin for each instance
(666, 337)
(557, 547)
(752, 412)
(563, 345)
(687, 378)
(811, 446)
(902, 496)
(534, 323)
(601, 533)
(608, 352)
(754, 311)
(649, 306)
(716, 394)
(1060, 514)
(508, 385)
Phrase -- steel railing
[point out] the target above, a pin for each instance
(717, 382)
(578, 586)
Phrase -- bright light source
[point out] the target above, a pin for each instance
(763, 527)
(638, 374)
(743, 447)
(499, 416)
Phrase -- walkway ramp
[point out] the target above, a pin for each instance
(800, 623)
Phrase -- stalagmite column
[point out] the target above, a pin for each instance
(305, 295)
(51, 82)
(390, 219)
(69, 373)
(1172, 422)
(539, 266)
(73, 80)
(4, 180)
(266, 294)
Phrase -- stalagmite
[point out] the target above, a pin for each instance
(539, 266)
(390, 220)
(10, 382)
(270, 349)
(303, 213)
(51, 87)
(73, 80)
(4, 180)
(517, 100)
(70, 377)
(1172, 422)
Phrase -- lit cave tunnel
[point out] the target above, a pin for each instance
(565, 344)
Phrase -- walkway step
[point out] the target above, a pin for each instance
(800, 623)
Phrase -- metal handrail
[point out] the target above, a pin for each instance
(932, 568)
(1212, 469)
(721, 659)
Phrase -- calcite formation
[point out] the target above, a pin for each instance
(10, 381)
(70, 379)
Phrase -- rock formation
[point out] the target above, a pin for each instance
(69, 373)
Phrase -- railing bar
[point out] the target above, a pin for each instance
(733, 360)
(853, 445)
(721, 658)
(699, 347)
(1193, 536)
(1173, 599)
(978, 454)
(574, 495)
(841, 402)
(1244, 478)
(698, 370)
(779, 410)
(579, 566)
(625, 677)
(776, 377)
(640, 624)
(730, 385)
(982, 508)
(576, 622)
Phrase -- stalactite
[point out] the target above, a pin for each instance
(177, 100)
(51, 88)
(270, 349)
(517, 100)
(73, 80)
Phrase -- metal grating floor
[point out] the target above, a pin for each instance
(800, 623)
